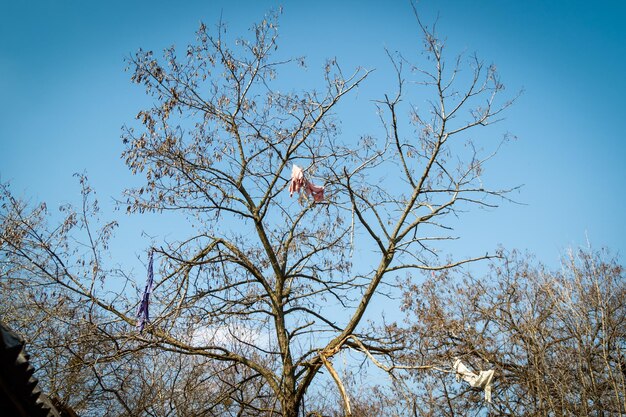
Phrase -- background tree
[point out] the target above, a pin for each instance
(555, 338)
(266, 289)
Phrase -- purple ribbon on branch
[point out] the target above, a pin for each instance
(143, 316)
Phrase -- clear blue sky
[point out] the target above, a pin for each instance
(65, 95)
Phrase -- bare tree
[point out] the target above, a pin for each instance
(268, 286)
(554, 338)
(83, 355)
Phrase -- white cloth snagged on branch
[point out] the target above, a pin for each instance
(482, 380)
(298, 182)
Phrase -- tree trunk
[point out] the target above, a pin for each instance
(290, 406)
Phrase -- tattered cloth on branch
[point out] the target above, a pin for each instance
(298, 182)
(482, 380)
(143, 316)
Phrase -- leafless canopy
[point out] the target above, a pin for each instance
(269, 287)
